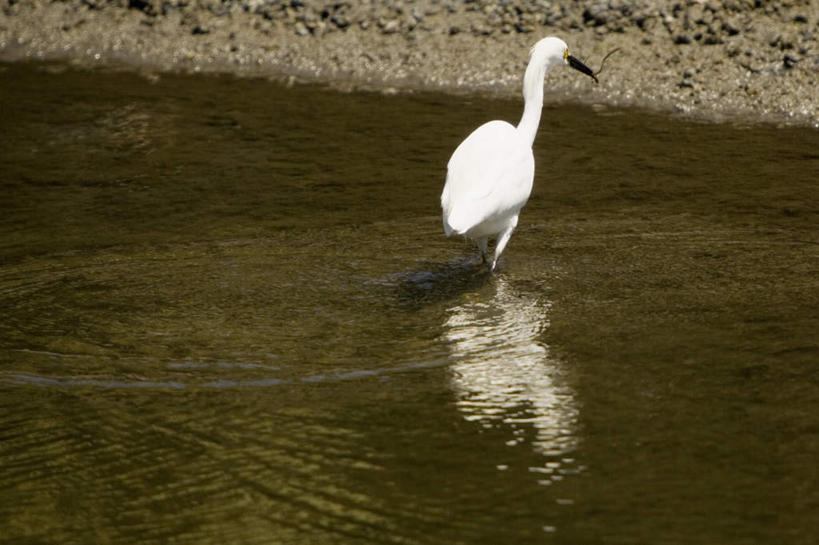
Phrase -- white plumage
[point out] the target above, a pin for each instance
(490, 174)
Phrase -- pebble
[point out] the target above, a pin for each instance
(301, 29)
(391, 27)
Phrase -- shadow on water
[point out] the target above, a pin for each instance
(440, 282)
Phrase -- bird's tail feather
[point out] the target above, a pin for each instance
(456, 222)
(447, 227)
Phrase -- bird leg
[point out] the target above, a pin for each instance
(503, 238)
(482, 244)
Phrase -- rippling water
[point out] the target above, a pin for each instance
(230, 316)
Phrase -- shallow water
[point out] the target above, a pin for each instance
(230, 316)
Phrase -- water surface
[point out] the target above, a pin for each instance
(230, 316)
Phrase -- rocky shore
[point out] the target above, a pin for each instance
(747, 60)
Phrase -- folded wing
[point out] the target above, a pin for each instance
(489, 178)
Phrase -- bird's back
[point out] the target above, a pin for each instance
(489, 179)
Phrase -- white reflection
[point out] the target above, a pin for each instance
(503, 373)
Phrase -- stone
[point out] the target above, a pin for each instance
(301, 29)
(391, 27)
(730, 28)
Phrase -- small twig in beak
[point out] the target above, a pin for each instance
(609, 54)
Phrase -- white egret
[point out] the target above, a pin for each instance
(489, 176)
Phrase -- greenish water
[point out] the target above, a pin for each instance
(230, 315)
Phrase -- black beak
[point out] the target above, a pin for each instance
(577, 65)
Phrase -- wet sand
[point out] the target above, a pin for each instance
(715, 59)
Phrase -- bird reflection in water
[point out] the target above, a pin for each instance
(504, 375)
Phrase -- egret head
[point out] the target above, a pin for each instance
(553, 51)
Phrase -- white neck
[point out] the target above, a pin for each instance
(532, 99)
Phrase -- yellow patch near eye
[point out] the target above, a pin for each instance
(566, 55)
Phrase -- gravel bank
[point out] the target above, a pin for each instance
(752, 60)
